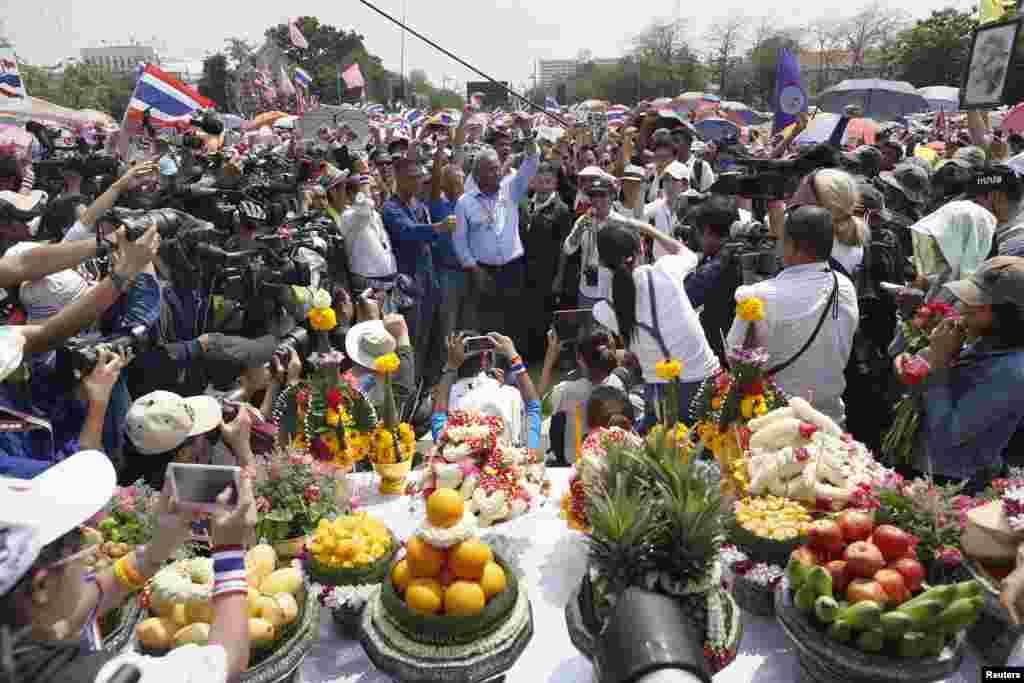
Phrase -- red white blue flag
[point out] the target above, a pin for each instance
(169, 101)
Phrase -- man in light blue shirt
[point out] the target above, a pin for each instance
(486, 238)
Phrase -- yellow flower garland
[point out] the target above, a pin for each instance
(323, 319)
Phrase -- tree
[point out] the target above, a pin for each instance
(726, 36)
(824, 35)
(661, 64)
(419, 82)
(216, 80)
(867, 31)
(239, 51)
(934, 51)
(80, 86)
(330, 50)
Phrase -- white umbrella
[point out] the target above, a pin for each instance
(941, 97)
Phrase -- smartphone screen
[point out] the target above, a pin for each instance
(203, 483)
(478, 344)
(569, 323)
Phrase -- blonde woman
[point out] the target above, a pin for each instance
(837, 191)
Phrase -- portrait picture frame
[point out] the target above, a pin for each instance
(990, 64)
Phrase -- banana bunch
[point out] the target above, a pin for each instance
(773, 517)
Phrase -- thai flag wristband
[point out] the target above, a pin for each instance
(229, 571)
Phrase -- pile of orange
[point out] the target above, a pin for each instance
(458, 581)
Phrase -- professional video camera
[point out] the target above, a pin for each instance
(753, 251)
(79, 357)
(770, 178)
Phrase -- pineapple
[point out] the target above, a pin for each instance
(623, 527)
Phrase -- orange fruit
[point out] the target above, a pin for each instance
(468, 559)
(445, 508)
(493, 580)
(425, 561)
(464, 599)
(424, 596)
(400, 576)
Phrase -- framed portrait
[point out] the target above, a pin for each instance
(993, 49)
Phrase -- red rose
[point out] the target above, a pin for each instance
(334, 398)
(754, 388)
(807, 430)
(312, 493)
(915, 370)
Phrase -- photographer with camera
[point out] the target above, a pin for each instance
(163, 427)
(55, 412)
(712, 285)
(50, 600)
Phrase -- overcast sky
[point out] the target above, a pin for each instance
(503, 38)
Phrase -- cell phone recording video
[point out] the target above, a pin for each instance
(196, 487)
(478, 344)
(570, 322)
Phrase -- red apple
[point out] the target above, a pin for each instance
(806, 556)
(866, 589)
(840, 577)
(825, 535)
(893, 542)
(857, 525)
(911, 571)
(892, 583)
(863, 559)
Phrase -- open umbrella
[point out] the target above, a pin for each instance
(1013, 121)
(880, 100)
(941, 97)
(717, 129)
(737, 112)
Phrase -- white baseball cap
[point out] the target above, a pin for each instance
(368, 341)
(161, 421)
(678, 171)
(37, 512)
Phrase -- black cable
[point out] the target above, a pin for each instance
(434, 45)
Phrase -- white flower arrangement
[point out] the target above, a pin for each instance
(336, 597)
(1013, 507)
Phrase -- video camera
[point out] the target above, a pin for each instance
(81, 355)
(752, 251)
(771, 179)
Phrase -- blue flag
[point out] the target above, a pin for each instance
(790, 96)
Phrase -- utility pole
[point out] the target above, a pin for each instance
(404, 24)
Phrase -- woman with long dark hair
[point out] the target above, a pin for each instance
(649, 309)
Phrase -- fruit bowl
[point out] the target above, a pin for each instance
(444, 630)
(374, 572)
(993, 635)
(823, 659)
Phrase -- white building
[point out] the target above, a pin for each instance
(556, 71)
(119, 58)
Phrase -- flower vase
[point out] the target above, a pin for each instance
(392, 476)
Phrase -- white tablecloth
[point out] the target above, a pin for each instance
(553, 560)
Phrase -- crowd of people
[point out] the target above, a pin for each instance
(475, 250)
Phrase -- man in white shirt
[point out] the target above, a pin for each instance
(701, 175)
(674, 182)
(595, 279)
(806, 301)
(367, 243)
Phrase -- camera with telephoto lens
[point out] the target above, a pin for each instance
(136, 223)
(208, 121)
(81, 355)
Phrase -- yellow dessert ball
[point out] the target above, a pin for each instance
(445, 508)
(464, 599)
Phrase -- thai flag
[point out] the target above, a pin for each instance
(303, 78)
(617, 112)
(169, 101)
(412, 117)
(11, 84)
(374, 109)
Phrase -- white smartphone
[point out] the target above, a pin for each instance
(196, 487)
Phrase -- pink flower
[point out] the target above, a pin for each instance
(274, 472)
(262, 505)
(950, 557)
(355, 501)
(915, 370)
(96, 519)
(312, 493)
(299, 458)
(128, 505)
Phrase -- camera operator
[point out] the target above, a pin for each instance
(809, 308)
(664, 210)
(50, 600)
(713, 284)
(55, 414)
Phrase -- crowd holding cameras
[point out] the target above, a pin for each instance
(155, 314)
